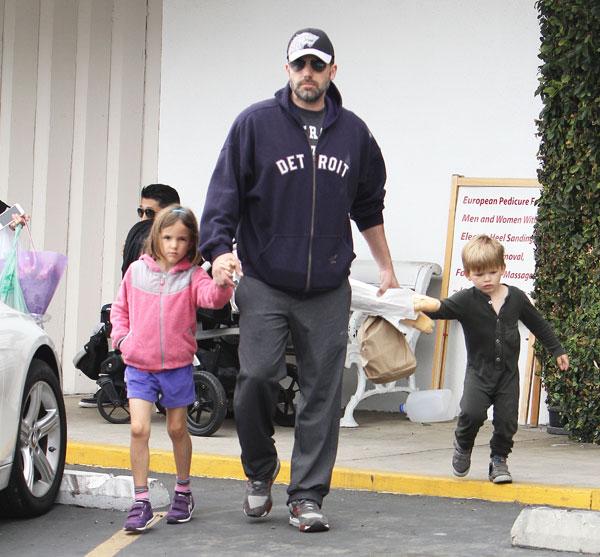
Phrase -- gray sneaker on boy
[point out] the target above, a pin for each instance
(498, 471)
(461, 460)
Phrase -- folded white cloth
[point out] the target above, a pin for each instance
(395, 303)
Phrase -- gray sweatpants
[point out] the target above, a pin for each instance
(319, 328)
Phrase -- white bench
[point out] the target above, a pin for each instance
(410, 274)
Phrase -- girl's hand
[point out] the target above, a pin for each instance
(563, 362)
(223, 269)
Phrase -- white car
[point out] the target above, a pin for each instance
(33, 434)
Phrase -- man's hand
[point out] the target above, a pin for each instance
(223, 269)
(387, 279)
(375, 237)
(425, 303)
(563, 362)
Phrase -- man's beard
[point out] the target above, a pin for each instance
(309, 95)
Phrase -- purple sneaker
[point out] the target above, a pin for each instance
(181, 509)
(140, 515)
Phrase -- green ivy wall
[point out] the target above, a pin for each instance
(567, 233)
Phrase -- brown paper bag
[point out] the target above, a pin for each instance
(385, 354)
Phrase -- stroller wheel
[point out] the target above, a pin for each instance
(207, 413)
(114, 411)
(160, 408)
(285, 409)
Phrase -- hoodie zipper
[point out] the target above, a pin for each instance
(312, 217)
(314, 197)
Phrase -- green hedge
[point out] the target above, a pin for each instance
(567, 233)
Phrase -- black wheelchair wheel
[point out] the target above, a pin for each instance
(285, 409)
(115, 412)
(208, 411)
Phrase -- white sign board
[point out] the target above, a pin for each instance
(506, 211)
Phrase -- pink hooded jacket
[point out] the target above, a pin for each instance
(154, 316)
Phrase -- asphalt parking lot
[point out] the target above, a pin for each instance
(362, 523)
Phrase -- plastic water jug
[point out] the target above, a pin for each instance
(429, 406)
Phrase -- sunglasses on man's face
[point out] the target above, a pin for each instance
(316, 64)
(147, 211)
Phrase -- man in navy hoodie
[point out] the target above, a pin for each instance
(293, 171)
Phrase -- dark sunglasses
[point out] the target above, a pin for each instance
(315, 64)
(147, 211)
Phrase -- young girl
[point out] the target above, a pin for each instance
(154, 327)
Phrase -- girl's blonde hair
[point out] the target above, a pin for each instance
(168, 217)
(482, 253)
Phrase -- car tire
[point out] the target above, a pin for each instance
(39, 458)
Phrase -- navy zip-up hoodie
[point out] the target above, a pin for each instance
(289, 212)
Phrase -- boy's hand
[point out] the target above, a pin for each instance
(425, 303)
(563, 362)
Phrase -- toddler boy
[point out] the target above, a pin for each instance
(489, 313)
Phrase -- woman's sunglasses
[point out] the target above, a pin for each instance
(315, 64)
(147, 211)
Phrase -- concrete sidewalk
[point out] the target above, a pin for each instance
(387, 453)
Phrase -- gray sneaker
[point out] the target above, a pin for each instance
(461, 460)
(306, 515)
(499, 473)
(258, 501)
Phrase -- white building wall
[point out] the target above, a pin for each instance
(447, 87)
(77, 138)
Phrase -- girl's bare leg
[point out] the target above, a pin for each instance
(141, 412)
(182, 442)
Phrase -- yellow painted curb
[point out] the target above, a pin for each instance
(217, 466)
(595, 500)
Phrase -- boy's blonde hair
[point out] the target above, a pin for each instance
(168, 217)
(482, 253)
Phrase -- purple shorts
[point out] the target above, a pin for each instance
(175, 385)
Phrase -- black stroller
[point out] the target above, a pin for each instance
(217, 336)
(216, 366)
(107, 368)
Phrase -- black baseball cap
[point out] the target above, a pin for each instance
(310, 41)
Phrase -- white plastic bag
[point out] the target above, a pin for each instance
(395, 303)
